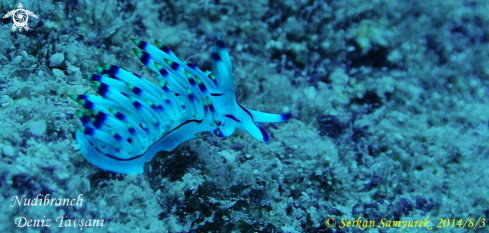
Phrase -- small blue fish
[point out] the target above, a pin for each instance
(131, 119)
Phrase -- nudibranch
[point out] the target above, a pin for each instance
(130, 119)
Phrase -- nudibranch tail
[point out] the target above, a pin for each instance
(269, 117)
(131, 119)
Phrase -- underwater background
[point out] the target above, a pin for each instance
(390, 122)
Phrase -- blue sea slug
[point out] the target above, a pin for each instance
(131, 119)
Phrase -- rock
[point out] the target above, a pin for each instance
(8, 150)
(58, 73)
(38, 128)
(57, 59)
(17, 60)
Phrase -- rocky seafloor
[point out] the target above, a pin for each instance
(389, 102)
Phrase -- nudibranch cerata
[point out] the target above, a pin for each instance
(131, 119)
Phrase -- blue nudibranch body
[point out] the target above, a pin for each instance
(131, 119)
